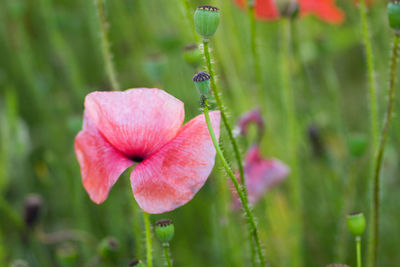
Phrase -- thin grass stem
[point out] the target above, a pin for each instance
(105, 46)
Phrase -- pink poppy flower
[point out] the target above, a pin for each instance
(326, 10)
(260, 175)
(143, 126)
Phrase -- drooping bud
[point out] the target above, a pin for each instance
(357, 144)
(289, 9)
(193, 56)
(136, 263)
(393, 12)
(32, 209)
(356, 223)
(165, 230)
(253, 116)
(206, 20)
(67, 255)
(202, 82)
(108, 248)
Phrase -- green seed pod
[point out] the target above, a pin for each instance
(193, 56)
(136, 263)
(108, 248)
(165, 230)
(67, 255)
(356, 223)
(393, 11)
(206, 20)
(202, 82)
(357, 144)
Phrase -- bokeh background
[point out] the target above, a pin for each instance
(50, 58)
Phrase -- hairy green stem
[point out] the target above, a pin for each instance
(374, 241)
(292, 132)
(149, 252)
(358, 246)
(105, 45)
(166, 254)
(228, 128)
(248, 212)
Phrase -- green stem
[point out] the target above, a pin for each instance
(248, 213)
(105, 45)
(228, 128)
(149, 256)
(256, 61)
(380, 153)
(292, 132)
(9, 212)
(358, 245)
(373, 105)
(166, 253)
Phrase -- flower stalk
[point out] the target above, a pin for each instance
(374, 241)
(292, 132)
(149, 252)
(248, 212)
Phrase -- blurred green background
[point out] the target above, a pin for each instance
(50, 58)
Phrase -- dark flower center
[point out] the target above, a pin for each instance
(137, 159)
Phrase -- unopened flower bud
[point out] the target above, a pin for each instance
(193, 56)
(136, 263)
(393, 12)
(202, 82)
(165, 230)
(32, 209)
(108, 248)
(206, 20)
(67, 255)
(356, 223)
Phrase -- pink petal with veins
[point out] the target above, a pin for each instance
(101, 164)
(137, 122)
(173, 175)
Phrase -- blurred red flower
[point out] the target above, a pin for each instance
(325, 10)
(143, 126)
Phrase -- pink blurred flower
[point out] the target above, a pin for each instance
(260, 175)
(253, 116)
(325, 10)
(143, 126)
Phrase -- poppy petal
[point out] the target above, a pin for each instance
(137, 122)
(326, 10)
(101, 164)
(266, 9)
(173, 175)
